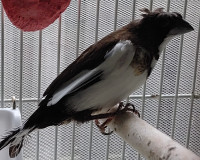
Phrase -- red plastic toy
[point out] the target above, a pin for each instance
(32, 15)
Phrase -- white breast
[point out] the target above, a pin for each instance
(108, 92)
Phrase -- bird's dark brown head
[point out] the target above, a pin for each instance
(168, 23)
(157, 25)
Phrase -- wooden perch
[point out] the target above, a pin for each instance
(147, 140)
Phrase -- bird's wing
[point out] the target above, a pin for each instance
(88, 60)
(78, 84)
(119, 57)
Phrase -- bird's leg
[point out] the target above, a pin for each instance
(103, 126)
(105, 115)
(121, 108)
(100, 116)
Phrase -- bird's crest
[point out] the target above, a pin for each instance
(146, 11)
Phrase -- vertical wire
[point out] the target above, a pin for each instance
(133, 11)
(193, 87)
(21, 70)
(2, 56)
(161, 77)
(168, 5)
(97, 21)
(96, 38)
(107, 146)
(178, 75)
(58, 72)
(77, 50)
(78, 28)
(151, 5)
(115, 20)
(115, 26)
(123, 150)
(39, 86)
(90, 145)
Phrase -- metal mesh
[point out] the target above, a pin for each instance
(11, 59)
(82, 24)
(106, 18)
(30, 64)
(195, 129)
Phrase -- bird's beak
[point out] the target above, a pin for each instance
(181, 27)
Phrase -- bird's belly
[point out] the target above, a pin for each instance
(108, 92)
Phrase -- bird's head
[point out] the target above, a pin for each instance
(166, 23)
(156, 26)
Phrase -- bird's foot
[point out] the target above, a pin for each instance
(102, 127)
(121, 108)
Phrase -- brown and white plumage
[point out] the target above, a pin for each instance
(104, 74)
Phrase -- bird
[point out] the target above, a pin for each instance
(103, 75)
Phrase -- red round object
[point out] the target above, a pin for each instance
(32, 15)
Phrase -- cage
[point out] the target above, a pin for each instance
(169, 100)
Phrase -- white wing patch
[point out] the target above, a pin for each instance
(68, 88)
(120, 50)
(118, 58)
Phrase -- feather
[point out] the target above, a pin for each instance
(76, 85)
(10, 137)
(15, 138)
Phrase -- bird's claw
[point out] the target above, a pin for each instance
(132, 109)
(128, 107)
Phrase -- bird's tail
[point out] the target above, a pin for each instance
(15, 138)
